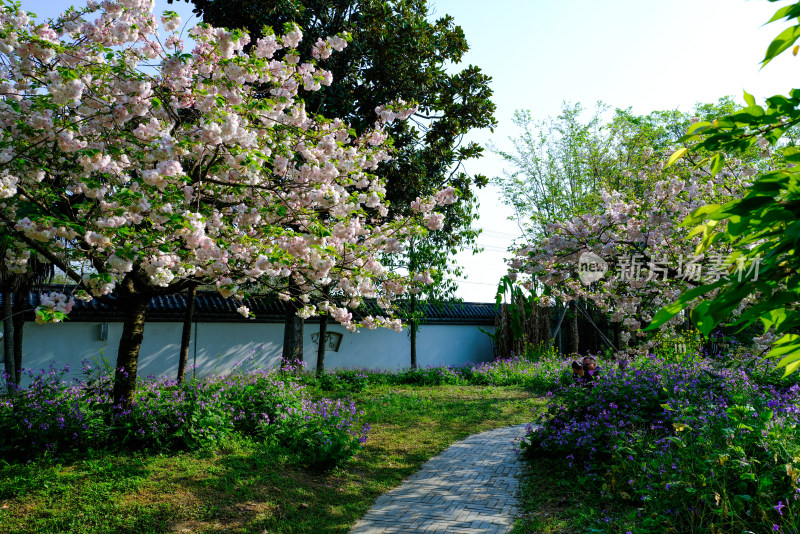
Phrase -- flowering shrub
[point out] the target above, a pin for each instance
(541, 375)
(691, 448)
(432, 376)
(60, 417)
(318, 429)
(354, 380)
(53, 415)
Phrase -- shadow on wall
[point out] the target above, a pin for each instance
(215, 349)
(218, 347)
(239, 347)
(165, 361)
(256, 356)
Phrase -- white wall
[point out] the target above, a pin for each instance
(221, 346)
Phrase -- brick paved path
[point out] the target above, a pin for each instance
(469, 488)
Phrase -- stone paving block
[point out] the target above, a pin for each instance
(469, 488)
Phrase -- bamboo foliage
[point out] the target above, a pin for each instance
(520, 324)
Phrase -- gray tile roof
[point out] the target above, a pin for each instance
(211, 307)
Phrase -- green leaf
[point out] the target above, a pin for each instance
(736, 226)
(747, 116)
(783, 41)
(787, 12)
(678, 154)
(750, 99)
(697, 126)
(788, 344)
(791, 154)
(745, 207)
(700, 214)
(709, 236)
(787, 340)
(671, 310)
(702, 319)
(721, 308)
(716, 163)
(677, 441)
(792, 367)
(774, 318)
(778, 300)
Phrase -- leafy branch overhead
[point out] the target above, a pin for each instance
(764, 224)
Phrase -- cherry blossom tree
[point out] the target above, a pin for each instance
(398, 48)
(141, 169)
(633, 235)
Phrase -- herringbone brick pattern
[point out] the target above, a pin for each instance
(469, 488)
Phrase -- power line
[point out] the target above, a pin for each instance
(494, 231)
(474, 283)
(498, 235)
(489, 248)
(495, 251)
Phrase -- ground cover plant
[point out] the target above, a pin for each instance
(539, 370)
(65, 418)
(702, 445)
(245, 485)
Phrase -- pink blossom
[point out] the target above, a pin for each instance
(434, 221)
(293, 38)
(171, 21)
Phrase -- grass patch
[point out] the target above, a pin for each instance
(550, 502)
(539, 370)
(245, 486)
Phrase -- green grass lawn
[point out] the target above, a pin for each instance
(243, 487)
(552, 503)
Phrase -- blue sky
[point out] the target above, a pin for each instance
(648, 55)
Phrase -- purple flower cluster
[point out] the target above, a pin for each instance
(67, 417)
(692, 444)
(326, 432)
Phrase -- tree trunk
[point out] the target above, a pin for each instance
(292, 328)
(323, 332)
(19, 325)
(20, 302)
(186, 334)
(8, 337)
(412, 324)
(573, 328)
(135, 306)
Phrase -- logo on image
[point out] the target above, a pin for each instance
(591, 268)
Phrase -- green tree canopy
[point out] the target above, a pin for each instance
(559, 166)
